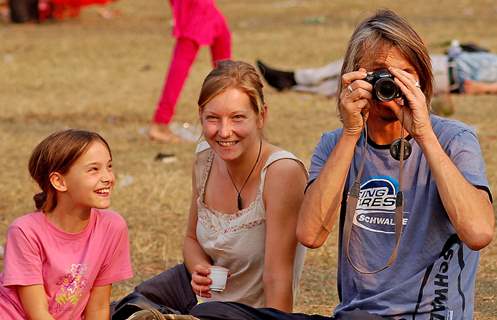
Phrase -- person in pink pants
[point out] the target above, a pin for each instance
(196, 23)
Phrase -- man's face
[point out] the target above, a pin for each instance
(387, 56)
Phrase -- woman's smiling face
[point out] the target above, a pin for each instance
(230, 124)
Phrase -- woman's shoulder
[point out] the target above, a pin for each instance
(202, 151)
(283, 162)
(202, 161)
(279, 155)
(202, 147)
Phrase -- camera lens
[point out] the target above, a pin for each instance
(386, 89)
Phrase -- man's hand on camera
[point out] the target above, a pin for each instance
(415, 112)
(355, 101)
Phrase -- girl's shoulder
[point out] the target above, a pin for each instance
(28, 221)
(28, 227)
(110, 219)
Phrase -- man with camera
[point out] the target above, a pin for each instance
(408, 188)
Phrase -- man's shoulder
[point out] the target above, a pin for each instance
(446, 129)
(441, 124)
(327, 142)
(333, 134)
(330, 137)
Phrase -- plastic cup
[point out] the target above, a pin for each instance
(218, 275)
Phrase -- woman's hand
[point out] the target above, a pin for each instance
(201, 281)
(414, 113)
(355, 101)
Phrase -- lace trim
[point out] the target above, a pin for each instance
(206, 215)
(204, 220)
(245, 226)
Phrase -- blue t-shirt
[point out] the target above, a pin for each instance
(434, 274)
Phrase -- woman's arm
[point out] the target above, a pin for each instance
(98, 306)
(34, 301)
(195, 258)
(283, 194)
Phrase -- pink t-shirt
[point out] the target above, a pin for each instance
(68, 265)
(199, 20)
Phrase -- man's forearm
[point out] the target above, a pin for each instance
(469, 209)
(321, 204)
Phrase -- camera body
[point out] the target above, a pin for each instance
(384, 87)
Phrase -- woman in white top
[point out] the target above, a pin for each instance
(246, 197)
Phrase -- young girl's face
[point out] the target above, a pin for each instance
(230, 124)
(90, 179)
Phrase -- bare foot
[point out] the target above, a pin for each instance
(162, 133)
(470, 87)
(108, 13)
(477, 87)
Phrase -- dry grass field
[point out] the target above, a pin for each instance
(106, 75)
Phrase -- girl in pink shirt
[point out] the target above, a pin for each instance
(61, 260)
(196, 23)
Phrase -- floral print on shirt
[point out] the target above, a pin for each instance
(72, 285)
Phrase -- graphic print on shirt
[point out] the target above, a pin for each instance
(72, 285)
(442, 277)
(376, 206)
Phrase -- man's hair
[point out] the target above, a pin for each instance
(386, 28)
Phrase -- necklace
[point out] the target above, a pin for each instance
(239, 201)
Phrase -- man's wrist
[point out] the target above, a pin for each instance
(427, 140)
(351, 136)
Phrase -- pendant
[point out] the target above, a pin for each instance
(395, 149)
(239, 202)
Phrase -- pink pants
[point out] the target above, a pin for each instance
(184, 54)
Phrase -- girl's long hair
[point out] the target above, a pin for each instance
(57, 153)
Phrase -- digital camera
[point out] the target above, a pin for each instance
(384, 87)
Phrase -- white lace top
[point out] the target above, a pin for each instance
(237, 241)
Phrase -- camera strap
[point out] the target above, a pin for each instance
(353, 198)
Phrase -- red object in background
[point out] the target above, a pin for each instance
(45, 10)
(62, 9)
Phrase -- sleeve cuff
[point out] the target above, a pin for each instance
(115, 278)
